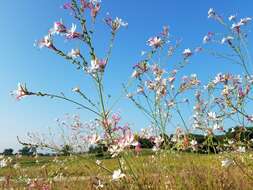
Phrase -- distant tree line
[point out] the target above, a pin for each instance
(239, 134)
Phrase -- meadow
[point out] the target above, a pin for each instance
(166, 170)
(212, 143)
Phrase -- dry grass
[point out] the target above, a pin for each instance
(163, 171)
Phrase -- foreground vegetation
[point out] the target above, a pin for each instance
(162, 94)
(165, 170)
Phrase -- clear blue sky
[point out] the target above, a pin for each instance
(23, 22)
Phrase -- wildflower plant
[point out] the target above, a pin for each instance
(226, 99)
(91, 65)
(223, 105)
(111, 134)
(158, 91)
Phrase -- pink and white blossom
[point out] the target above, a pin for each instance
(21, 91)
(155, 42)
(58, 28)
(47, 42)
(71, 33)
(116, 23)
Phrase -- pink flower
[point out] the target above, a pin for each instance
(85, 4)
(237, 27)
(115, 24)
(116, 118)
(94, 139)
(21, 92)
(135, 74)
(98, 65)
(138, 148)
(67, 6)
(47, 42)
(58, 28)
(240, 92)
(243, 21)
(94, 10)
(155, 42)
(187, 53)
(71, 34)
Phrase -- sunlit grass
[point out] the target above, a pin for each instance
(163, 171)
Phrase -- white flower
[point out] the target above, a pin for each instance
(211, 13)
(120, 22)
(236, 26)
(74, 53)
(155, 42)
(227, 39)
(194, 142)
(158, 141)
(129, 95)
(143, 53)
(73, 28)
(47, 41)
(216, 126)
(72, 32)
(241, 149)
(98, 162)
(135, 74)
(227, 162)
(16, 166)
(193, 75)
(95, 1)
(212, 115)
(187, 53)
(245, 21)
(117, 174)
(116, 23)
(140, 90)
(155, 148)
(115, 150)
(206, 39)
(94, 139)
(99, 185)
(3, 163)
(231, 17)
(58, 28)
(76, 89)
(21, 91)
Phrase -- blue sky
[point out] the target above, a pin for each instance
(23, 22)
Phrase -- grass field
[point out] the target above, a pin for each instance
(166, 170)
